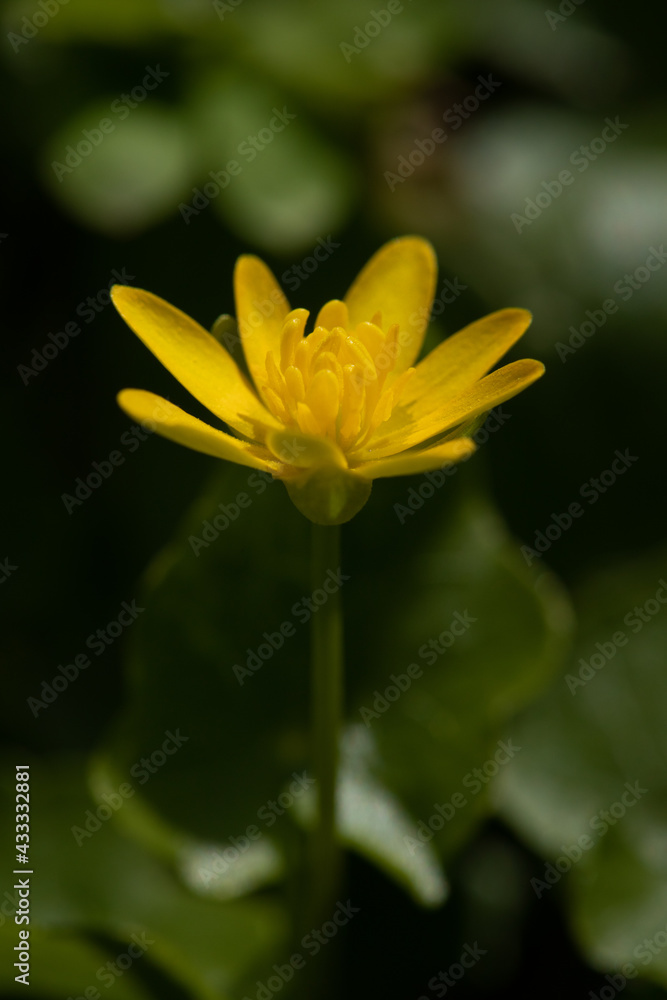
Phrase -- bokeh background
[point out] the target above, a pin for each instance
(116, 118)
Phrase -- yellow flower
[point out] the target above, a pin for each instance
(329, 412)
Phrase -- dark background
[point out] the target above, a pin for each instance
(120, 210)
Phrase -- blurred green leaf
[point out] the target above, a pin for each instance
(372, 821)
(468, 635)
(209, 660)
(120, 21)
(87, 877)
(337, 58)
(62, 964)
(594, 767)
(280, 183)
(120, 169)
(210, 657)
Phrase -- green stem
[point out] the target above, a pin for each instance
(326, 713)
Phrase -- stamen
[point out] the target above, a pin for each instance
(276, 404)
(291, 334)
(326, 361)
(322, 397)
(294, 382)
(372, 338)
(307, 422)
(302, 357)
(332, 382)
(276, 380)
(361, 357)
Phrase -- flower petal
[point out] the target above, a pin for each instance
(462, 359)
(261, 310)
(410, 462)
(195, 358)
(171, 422)
(398, 282)
(400, 432)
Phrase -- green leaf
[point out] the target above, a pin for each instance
(208, 659)
(221, 655)
(118, 168)
(279, 183)
(373, 822)
(467, 636)
(105, 22)
(62, 964)
(88, 877)
(594, 768)
(348, 54)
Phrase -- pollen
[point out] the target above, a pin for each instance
(334, 382)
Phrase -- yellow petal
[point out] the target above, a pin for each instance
(261, 310)
(462, 359)
(195, 358)
(500, 385)
(410, 462)
(399, 283)
(159, 415)
(306, 451)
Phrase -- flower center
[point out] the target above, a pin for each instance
(334, 383)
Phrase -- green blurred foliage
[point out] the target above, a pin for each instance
(596, 768)
(357, 164)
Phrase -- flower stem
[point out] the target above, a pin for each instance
(326, 713)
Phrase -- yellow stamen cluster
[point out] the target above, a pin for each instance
(334, 383)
